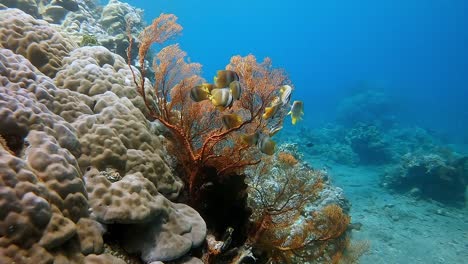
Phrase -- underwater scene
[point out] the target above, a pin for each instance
(184, 131)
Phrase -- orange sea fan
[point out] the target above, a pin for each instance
(163, 28)
(286, 159)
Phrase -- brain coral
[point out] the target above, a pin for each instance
(36, 40)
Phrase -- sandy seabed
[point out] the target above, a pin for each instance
(400, 228)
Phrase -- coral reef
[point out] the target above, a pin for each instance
(367, 142)
(410, 139)
(439, 176)
(28, 6)
(81, 18)
(32, 130)
(115, 18)
(95, 70)
(328, 142)
(44, 201)
(154, 227)
(41, 44)
(297, 217)
(84, 172)
(367, 104)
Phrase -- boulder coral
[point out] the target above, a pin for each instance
(43, 197)
(95, 70)
(51, 135)
(41, 44)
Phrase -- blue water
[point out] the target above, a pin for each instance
(415, 50)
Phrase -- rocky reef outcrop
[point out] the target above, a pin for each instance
(441, 176)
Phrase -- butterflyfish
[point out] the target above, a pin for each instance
(199, 93)
(221, 97)
(274, 130)
(231, 120)
(224, 78)
(285, 92)
(236, 89)
(297, 110)
(266, 145)
(272, 109)
(251, 139)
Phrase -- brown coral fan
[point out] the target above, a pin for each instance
(198, 139)
(282, 230)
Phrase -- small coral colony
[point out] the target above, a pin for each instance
(227, 88)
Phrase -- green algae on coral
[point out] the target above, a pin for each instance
(89, 40)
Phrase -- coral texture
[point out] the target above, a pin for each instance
(133, 199)
(41, 44)
(43, 197)
(95, 70)
(367, 141)
(118, 137)
(159, 230)
(167, 238)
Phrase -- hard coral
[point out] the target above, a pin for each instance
(41, 44)
(133, 199)
(432, 176)
(368, 142)
(42, 194)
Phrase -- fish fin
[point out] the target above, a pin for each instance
(294, 120)
(267, 112)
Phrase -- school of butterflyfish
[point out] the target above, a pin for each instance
(227, 88)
